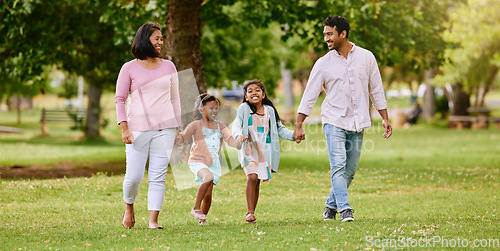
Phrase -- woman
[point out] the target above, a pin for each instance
(149, 126)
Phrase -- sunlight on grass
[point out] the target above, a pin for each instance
(423, 182)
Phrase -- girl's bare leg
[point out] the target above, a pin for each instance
(207, 200)
(257, 189)
(207, 182)
(206, 203)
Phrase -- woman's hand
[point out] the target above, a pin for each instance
(127, 136)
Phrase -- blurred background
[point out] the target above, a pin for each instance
(60, 60)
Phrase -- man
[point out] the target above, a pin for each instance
(349, 75)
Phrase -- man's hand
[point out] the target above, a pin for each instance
(298, 135)
(385, 123)
(388, 128)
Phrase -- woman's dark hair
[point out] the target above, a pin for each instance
(339, 23)
(142, 47)
(265, 101)
(200, 102)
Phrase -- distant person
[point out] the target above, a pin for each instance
(149, 127)
(204, 162)
(349, 75)
(258, 121)
(415, 113)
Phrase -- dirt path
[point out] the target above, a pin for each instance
(61, 170)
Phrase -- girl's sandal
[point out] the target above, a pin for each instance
(203, 222)
(198, 215)
(250, 218)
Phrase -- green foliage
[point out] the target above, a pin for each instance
(404, 34)
(241, 53)
(474, 30)
(69, 87)
(88, 38)
(442, 104)
(78, 118)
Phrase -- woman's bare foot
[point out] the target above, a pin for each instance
(154, 226)
(153, 220)
(128, 219)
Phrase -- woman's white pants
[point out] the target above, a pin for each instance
(158, 145)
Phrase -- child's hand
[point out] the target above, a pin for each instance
(297, 138)
(239, 141)
(179, 140)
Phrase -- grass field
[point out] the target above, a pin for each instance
(424, 182)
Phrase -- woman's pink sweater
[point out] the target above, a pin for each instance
(154, 102)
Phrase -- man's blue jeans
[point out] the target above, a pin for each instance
(344, 149)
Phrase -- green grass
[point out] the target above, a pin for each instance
(425, 181)
(62, 144)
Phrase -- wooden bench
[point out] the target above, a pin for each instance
(495, 120)
(461, 122)
(74, 116)
(476, 122)
(8, 129)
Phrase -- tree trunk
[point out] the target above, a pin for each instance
(481, 93)
(429, 96)
(8, 102)
(183, 37)
(93, 112)
(18, 108)
(461, 101)
(483, 89)
(286, 78)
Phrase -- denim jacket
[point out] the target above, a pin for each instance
(240, 127)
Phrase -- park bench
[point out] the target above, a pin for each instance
(476, 122)
(8, 129)
(462, 122)
(74, 116)
(495, 120)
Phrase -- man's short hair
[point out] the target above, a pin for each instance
(339, 23)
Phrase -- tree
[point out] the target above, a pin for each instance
(183, 36)
(104, 30)
(92, 38)
(88, 38)
(388, 29)
(474, 61)
(22, 59)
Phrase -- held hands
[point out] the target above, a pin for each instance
(240, 140)
(299, 134)
(177, 140)
(388, 128)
